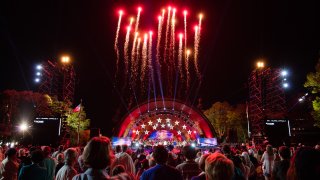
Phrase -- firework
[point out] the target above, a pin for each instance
(185, 12)
(138, 19)
(173, 37)
(180, 55)
(133, 55)
(116, 48)
(167, 35)
(126, 53)
(196, 49)
(144, 59)
(187, 67)
(172, 69)
(160, 19)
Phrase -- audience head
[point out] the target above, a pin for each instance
(304, 164)
(226, 149)
(160, 154)
(46, 151)
(70, 156)
(98, 154)
(124, 148)
(22, 152)
(60, 158)
(36, 156)
(189, 152)
(284, 152)
(118, 149)
(202, 161)
(11, 153)
(217, 166)
(269, 150)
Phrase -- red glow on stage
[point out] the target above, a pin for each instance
(180, 35)
(139, 8)
(120, 12)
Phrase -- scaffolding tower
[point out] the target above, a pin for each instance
(266, 98)
(58, 80)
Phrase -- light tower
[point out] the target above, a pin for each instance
(266, 97)
(57, 79)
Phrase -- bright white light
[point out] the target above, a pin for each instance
(39, 67)
(284, 72)
(37, 80)
(38, 74)
(193, 145)
(285, 85)
(11, 144)
(137, 145)
(300, 99)
(23, 127)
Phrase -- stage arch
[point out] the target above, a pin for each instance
(165, 119)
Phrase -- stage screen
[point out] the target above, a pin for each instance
(161, 135)
(121, 141)
(277, 131)
(204, 142)
(46, 130)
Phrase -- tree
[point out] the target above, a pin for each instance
(313, 84)
(77, 123)
(225, 118)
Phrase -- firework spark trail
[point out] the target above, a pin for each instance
(144, 60)
(133, 56)
(160, 23)
(173, 36)
(196, 51)
(185, 30)
(126, 54)
(180, 55)
(137, 54)
(187, 68)
(116, 48)
(150, 54)
(138, 19)
(167, 35)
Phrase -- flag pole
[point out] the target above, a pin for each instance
(78, 129)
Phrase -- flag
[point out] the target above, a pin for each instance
(77, 109)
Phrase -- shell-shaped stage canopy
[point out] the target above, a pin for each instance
(165, 119)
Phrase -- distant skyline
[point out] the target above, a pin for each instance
(286, 34)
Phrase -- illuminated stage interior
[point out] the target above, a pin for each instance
(165, 121)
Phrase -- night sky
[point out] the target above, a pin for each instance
(234, 35)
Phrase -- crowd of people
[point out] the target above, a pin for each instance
(98, 160)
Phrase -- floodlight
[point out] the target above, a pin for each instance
(39, 67)
(38, 74)
(285, 85)
(260, 64)
(37, 80)
(23, 126)
(284, 72)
